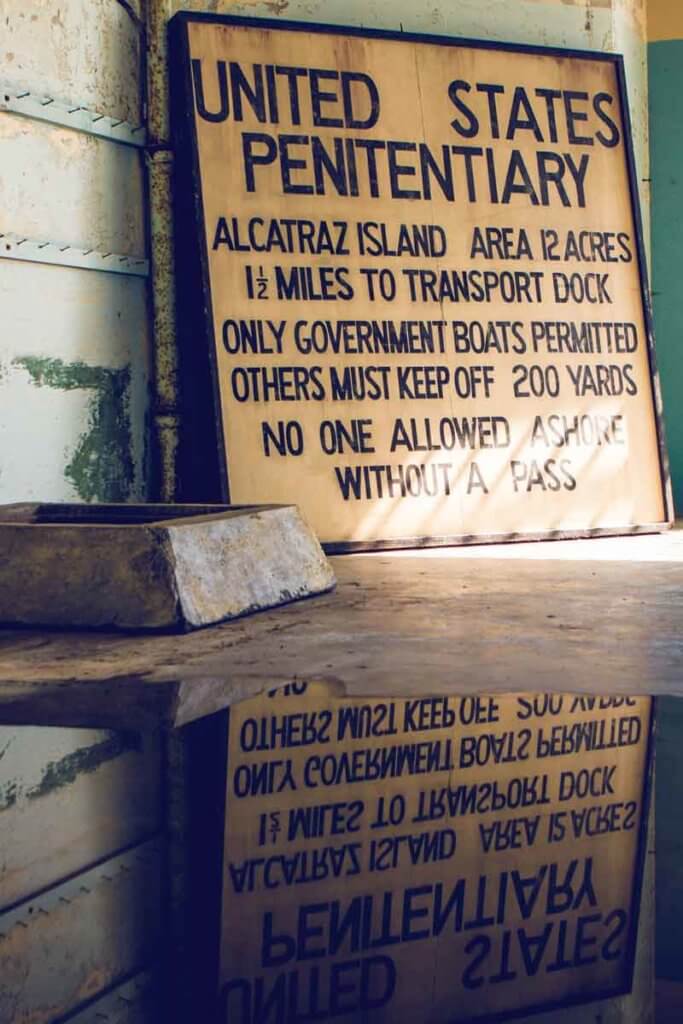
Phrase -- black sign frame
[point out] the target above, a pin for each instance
(197, 964)
(203, 460)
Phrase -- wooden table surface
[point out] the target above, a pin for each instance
(601, 616)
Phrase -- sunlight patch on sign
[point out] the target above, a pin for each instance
(424, 283)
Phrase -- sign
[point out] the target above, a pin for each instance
(431, 859)
(422, 283)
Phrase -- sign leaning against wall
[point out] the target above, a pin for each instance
(412, 285)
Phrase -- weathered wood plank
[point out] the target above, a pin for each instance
(588, 616)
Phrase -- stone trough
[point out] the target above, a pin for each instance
(153, 567)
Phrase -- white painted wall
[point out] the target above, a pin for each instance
(74, 352)
(62, 185)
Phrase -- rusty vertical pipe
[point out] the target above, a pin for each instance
(165, 409)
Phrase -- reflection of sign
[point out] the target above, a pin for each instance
(436, 859)
(425, 282)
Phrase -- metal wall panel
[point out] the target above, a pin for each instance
(73, 413)
(83, 336)
(75, 188)
(79, 50)
(64, 806)
(134, 1002)
(73, 384)
(60, 949)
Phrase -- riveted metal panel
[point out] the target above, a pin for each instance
(74, 377)
(71, 798)
(73, 408)
(134, 1002)
(61, 948)
(85, 51)
(40, 107)
(64, 185)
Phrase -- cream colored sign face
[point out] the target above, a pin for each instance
(434, 860)
(425, 291)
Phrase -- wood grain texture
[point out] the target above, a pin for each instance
(600, 616)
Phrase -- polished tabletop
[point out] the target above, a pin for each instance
(601, 616)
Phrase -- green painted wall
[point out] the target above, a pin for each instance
(665, 72)
(665, 85)
(669, 839)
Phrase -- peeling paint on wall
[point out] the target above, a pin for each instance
(8, 795)
(87, 51)
(74, 381)
(101, 467)
(83, 761)
(62, 772)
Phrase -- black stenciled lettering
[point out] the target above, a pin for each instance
(334, 167)
(531, 475)
(522, 116)
(492, 91)
(242, 89)
(320, 96)
(299, 867)
(200, 101)
(398, 170)
(599, 101)
(353, 119)
(258, 150)
(368, 764)
(362, 721)
(594, 734)
(520, 792)
(359, 383)
(275, 732)
(518, 180)
(602, 379)
(287, 438)
(573, 116)
(277, 384)
(442, 172)
(509, 833)
(314, 822)
(600, 819)
(292, 75)
(263, 778)
(495, 748)
(468, 153)
(290, 164)
(551, 169)
(396, 852)
(550, 98)
(470, 127)
(539, 706)
(371, 147)
(584, 783)
(337, 437)
(586, 704)
(353, 988)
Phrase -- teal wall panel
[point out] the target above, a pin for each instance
(665, 72)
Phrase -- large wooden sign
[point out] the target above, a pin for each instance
(439, 860)
(419, 284)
